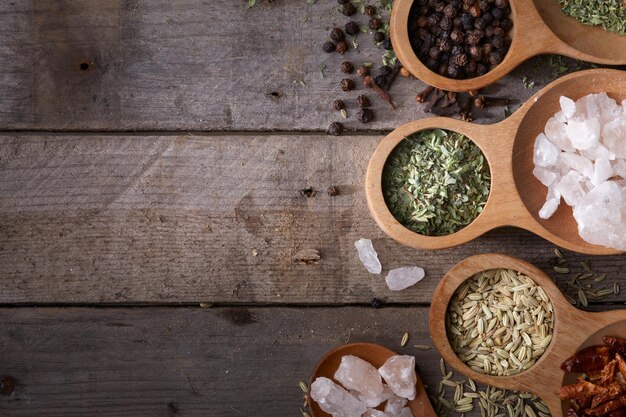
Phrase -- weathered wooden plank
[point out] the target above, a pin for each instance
(124, 219)
(187, 65)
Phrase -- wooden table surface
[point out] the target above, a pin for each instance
(151, 158)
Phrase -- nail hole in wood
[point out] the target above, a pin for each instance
(84, 66)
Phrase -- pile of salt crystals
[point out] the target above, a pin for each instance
(363, 388)
(581, 156)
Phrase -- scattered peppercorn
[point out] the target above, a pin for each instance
(376, 302)
(329, 47)
(370, 10)
(347, 84)
(384, 70)
(348, 9)
(333, 191)
(387, 44)
(362, 71)
(346, 67)
(337, 35)
(341, 47)
(352, 28)
(379, 37)
(363, 101)
(7, 385)
(380, 80)
(342, 1)
(375, 23)
(365, 115)
(335, 129)
(338, 105)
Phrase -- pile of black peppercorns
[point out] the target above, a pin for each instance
(460, 38)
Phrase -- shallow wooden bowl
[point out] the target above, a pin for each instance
(376, 355)
(573, 330)
(516, 195)
(539, 27)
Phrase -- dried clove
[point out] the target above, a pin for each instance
(368, 81)
(423, 95)
(433, 99)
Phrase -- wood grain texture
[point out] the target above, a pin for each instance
(188, 65)
(185, 219)
(185, 361)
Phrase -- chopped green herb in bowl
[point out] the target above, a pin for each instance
(436, 182)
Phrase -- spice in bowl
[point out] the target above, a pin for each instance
(436, 182)
(601, 390)
(500, 322)
(608, 14)
(460, 38)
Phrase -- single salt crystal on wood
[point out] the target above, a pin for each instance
(375, 413)
(335, 400)
(368, 256)
(601, 215)
(584, 134)
(545, 176)
(545, 152)
(567, 106)
(406, 412)
(602, 171)
(373, 401)
(399, 373)
(356, 374)
(570, 188)
(401, 278)
(394, 405)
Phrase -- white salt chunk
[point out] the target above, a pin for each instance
(368, 256)
(555, 131)
(560, 116)
(545, 152)
(577, 163)
(553, 200)
(335, 400)
(401, 278)
(599, 106)
(374, 413)
(567, 106)
(394, 405)
(584, 134)
(356, 374)
(601, 215)
(406, 412)
(619, 168)
(399, 373)
(570, 188)
(614, 136)
(599, 151)
(374, 400)
(602, 171)
(545, 176)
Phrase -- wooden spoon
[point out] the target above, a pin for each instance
(573, 330)
(539, 27)
(376, 355)
(516, 195)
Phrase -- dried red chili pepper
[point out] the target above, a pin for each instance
(613, 391)
(590, 359)
(615, 343)
(581, 390)
(607, 407)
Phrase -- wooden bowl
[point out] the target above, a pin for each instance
(573, 330)
(376, 355)
(539, 27)
(516, 195)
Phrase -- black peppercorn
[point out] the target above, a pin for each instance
(332, 191)
(387, 44)
(467, 21)
(422, 22)
(337, 35)
(495, 58)
(341, 47)
(474, 11)
(456, 22)
(352, 28)
(450, 11)
(384, 70)
(348, 9)
(497, 42)
(335, 129)
(376, 303)
(433, 20)
(497, 13)
(489, 31)
(434, 52)
(453, 71)
(470, 68)
(456, 50)
(459, 60)
(473, 37)
(487, 48)
(443, 69)
(444, 45)
(362, 71)
(379, 37)
(506, 24)
(476, 53)
(375, 23)
(500, 4)
(347, 84)
(342, 1)
(483, 5)
(380, 80)
(338, 105)
(7, 385)
(370, 10)
(481, 69)
(363, 101)
(445, 23)
(480, 23)
(346, 67)
(457, 36)
(365, 115)
(329, 47)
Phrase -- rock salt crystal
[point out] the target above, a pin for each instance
(356, 374)
(373, 400)
(399, 373)
(375, 413)
(581, 156)
(394, 405)
(368, 256)
(335, 400)
(406, 412)
(401, 278)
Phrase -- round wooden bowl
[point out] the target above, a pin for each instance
(573, 330)
(376, 355)
(516, 195)
(539, 27)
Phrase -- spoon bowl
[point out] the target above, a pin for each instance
(376, 355)
(516, 195)
(573, 330)
(539, 27)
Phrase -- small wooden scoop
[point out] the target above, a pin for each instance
(376, 355)
(573, 330)
(516, 195)
(539, 27)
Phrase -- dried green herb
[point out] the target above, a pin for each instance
(436, 182)
(608, 14)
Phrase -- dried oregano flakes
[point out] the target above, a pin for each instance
(436, 182)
